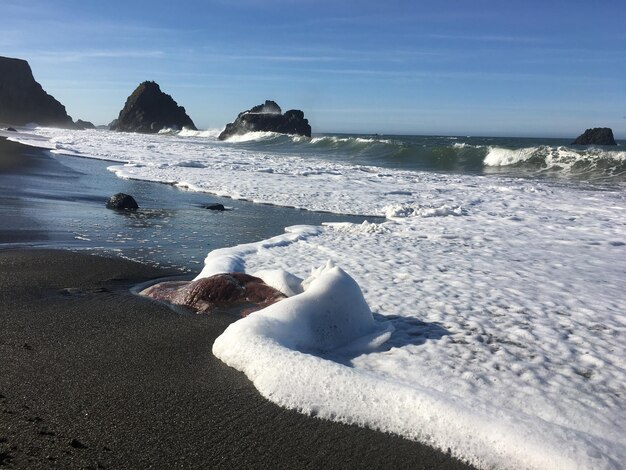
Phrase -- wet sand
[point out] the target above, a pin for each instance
(93, 376)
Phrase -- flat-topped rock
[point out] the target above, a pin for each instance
(24, 101)
(148, 110)
(268, 117)
(596, 136)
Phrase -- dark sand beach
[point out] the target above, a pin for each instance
(93, 376)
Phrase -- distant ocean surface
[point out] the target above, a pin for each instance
(528, 157)
(497, 264)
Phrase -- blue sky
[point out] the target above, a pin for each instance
(523, 68)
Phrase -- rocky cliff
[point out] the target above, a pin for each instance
(268, 117)
(148, 110)
(23, 100)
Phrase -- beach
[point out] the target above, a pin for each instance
(475, 309)
(93, 376)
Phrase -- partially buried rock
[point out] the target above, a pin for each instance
(11, 129)
(148, 110)
(596, 136)
(225, 291)
(268, 117)
(121, 201)
(214, 207)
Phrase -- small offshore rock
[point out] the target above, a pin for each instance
(214, 207)
(121, 201)
(596, 136)
(11, 129)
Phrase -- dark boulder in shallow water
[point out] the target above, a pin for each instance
(11, 129)
(224, 291)
(596, 136)
(121, 201)
(214, 207)
(268, 117)
(148, 110)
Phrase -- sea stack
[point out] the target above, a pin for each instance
(82, 125)
(148, 110)
(268, 117)
(596, 136)
(24, 101)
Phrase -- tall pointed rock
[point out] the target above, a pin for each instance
(148, 110)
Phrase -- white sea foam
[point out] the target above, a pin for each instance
(250, 136)
(348, 140)
(209, 133)
(561, 158)
(506, 297)
(498, 156)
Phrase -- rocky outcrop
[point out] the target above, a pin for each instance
(225, 291)
(24, 101)
(596, 136)
(82, 125)
(148, 110)
(268, 117)
(121, 201)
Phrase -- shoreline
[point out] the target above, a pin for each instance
(58, 201)
(95, 376)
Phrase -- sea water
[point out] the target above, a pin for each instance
(494, 287)
(58, 201)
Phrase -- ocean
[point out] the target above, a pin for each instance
(471, 288)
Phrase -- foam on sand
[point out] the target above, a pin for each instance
(483, 371)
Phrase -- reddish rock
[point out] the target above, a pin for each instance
(219, 291)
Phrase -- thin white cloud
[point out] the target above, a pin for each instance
(76, 56)
(485, 38)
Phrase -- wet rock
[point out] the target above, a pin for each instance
(596, 136)
(11, 129)
(214, 207)
(226, 290)
(23, 100)
(121, 201)
(148, 110)
(268, 117)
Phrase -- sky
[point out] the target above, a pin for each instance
(471, 67)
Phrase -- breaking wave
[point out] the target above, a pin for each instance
(475, 155)
(576, 162)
